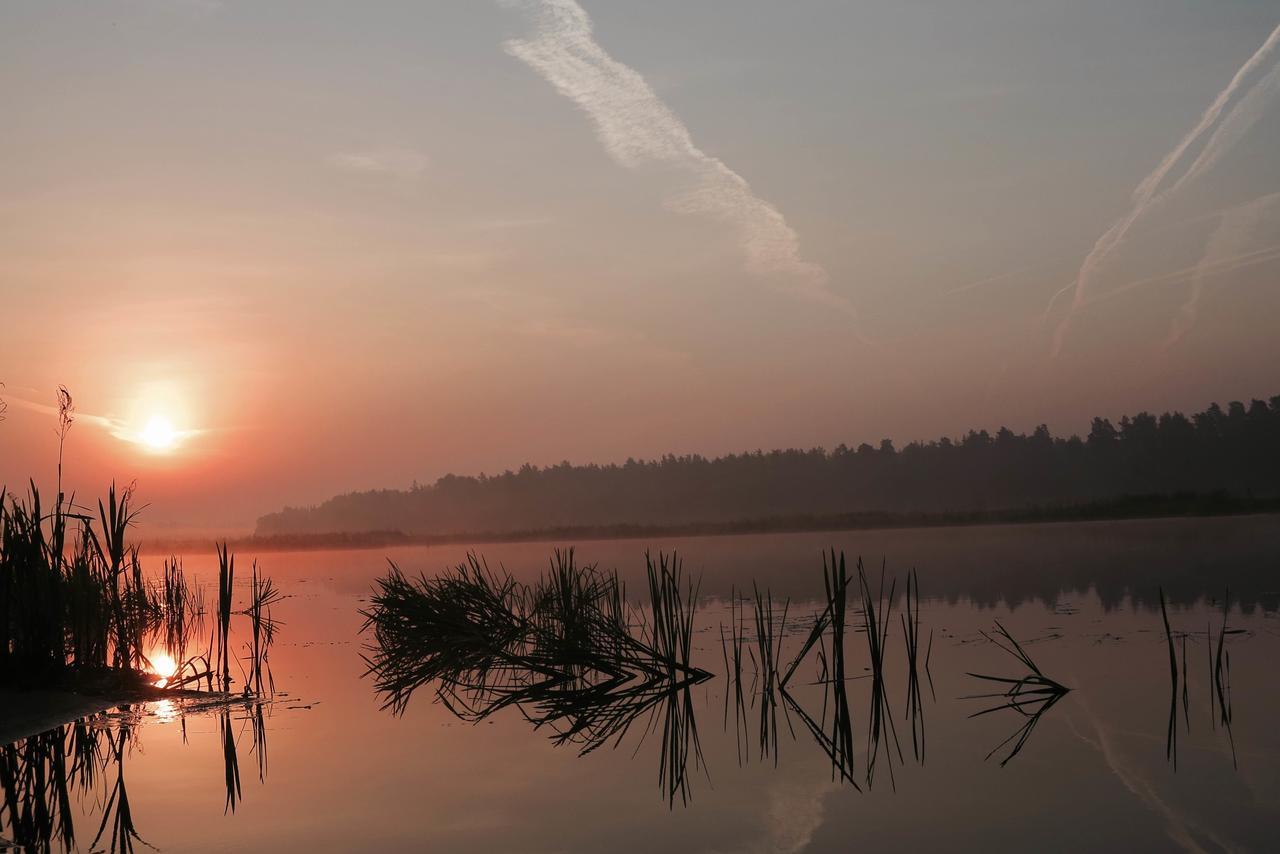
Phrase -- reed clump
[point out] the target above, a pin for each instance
(1030, 695)
(569, 651)
(78, 611)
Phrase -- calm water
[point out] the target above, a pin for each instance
(325, 769)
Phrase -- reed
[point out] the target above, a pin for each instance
(877, 611)
(1031, 695)
(911, 639)
(838, 743)
(1171, 736)
(1220, 671)
(568, 652)
(263, 594)
(769, 648)
(222, 628)
(731, 651)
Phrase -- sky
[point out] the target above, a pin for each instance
(282, 250)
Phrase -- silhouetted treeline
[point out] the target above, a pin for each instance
(1233, 453)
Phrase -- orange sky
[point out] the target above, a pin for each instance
(385, 243)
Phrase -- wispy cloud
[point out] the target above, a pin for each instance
(1225, 247)
(1223, 131)
(113, 426)
(403, 163)
(638, 129)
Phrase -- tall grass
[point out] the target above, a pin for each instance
(569, 652)
(76, 605)
(1220, 672)
(1030, 695)
(911, 639)
(838, 743)
(877, 612)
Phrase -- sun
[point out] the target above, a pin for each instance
(163, 666)
(159, 434)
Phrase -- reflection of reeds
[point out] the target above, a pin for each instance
(562, 651)
(1171, 736)
(880, 727)
(769, 650)
(117, 812)
(1220, 673)
(84, 761)
(731, 651)
(911, 639)
(838, 743)
(1031, 695)
(230, 760)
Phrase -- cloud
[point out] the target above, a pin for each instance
(113, 426)
(1223, 133)
(637, 129)
(1235, 231)
(403, 163)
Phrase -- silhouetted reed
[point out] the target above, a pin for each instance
(1220, 675)
(1030, 695)
(911, 639)
(76, 607)
(731, 650)
(838, 743)
(1171, 735)
(568, 652)
(262, 595)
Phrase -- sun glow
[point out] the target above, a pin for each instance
(163, 666)
(159, 434)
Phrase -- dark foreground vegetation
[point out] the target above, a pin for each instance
(573, 654)
(77, 612)
(1215, 461)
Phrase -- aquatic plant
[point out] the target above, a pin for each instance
(911, 639)
(877, 610)
(1220, 676)
(568, 652)
(1031, 695)
(838, 743)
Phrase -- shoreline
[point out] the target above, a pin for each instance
(1129, 508)
(26, 712)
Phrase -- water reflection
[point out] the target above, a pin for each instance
(46, 777)
(1030, 695)
(571, 654)
(568, 652)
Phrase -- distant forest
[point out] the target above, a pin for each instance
(1233, 452)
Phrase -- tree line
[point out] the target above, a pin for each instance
(1235, 452)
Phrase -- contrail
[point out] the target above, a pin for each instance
(638, 129)
(1178, 827)
(1233, 233)
(1227, 132)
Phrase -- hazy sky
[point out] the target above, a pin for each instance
(337, 245)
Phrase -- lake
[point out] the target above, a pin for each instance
(1133, 757)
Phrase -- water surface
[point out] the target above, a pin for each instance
(324, 768)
